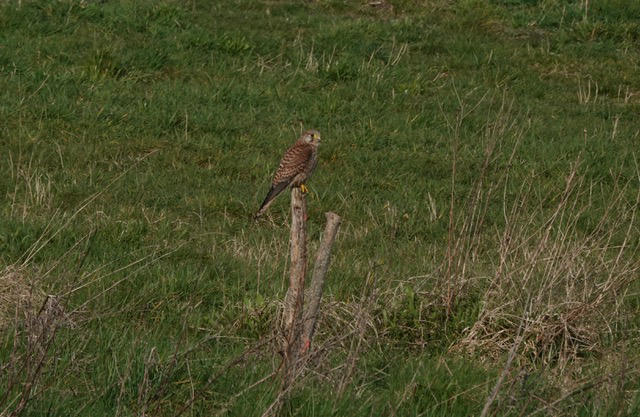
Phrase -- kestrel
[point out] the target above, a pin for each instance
(295, 168)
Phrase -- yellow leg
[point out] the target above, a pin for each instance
(304, 188)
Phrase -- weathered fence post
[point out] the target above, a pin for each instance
(317, 279)
(298, 332)
(294, 299)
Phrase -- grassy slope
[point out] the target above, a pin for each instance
(215, 91)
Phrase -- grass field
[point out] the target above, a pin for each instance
(483, 155)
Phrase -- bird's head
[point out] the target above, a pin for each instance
(311, 136)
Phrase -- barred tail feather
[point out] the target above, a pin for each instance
(271, 195)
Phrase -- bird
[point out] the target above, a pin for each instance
(296, 167)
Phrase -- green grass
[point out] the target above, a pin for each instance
(171, 116)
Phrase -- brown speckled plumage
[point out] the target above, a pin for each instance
(296, 166)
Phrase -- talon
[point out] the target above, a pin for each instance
(304, 188)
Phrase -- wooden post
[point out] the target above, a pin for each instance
(295, 295)
(298, 333)
(317, 280)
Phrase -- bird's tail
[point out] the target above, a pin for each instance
(271, 195)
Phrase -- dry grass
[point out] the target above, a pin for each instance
(17, 292)
(566, 286)
(32, 190)
(34, 319)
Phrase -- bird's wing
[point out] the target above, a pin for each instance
(293, 162)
